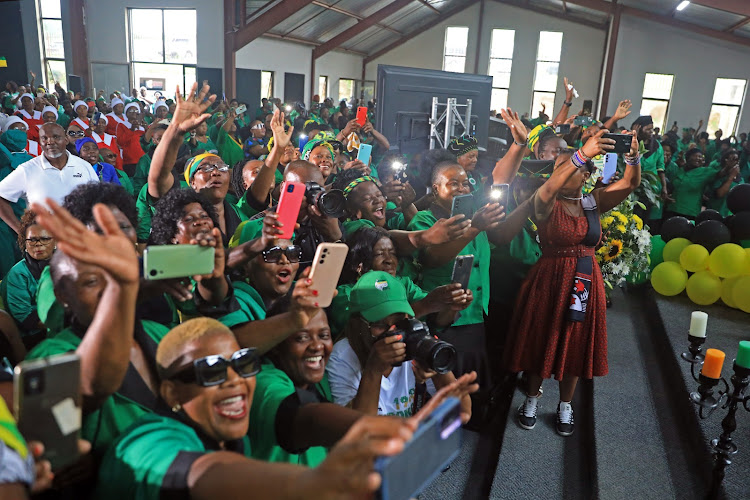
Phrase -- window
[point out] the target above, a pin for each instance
(657, 91)
(53, 47)
(547, 67)
(163, 48)
(266, 84)
(346, 89)
(501, 60)
(725, 108)
(454, 52)
(322, 87)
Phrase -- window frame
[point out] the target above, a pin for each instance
(47, 74)
(271, 83)
(323, 94)
(354, 89)
(535, 92)
(657, 99)
(494, 88)
(739, 107)
(445, 46)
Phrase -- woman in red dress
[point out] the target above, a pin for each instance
(559, 327)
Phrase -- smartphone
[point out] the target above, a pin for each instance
(161, 262)
(499, 194)
(365, 150)
(47, 403)
(240, 109)
(463, 204)
(462, 270)
(588, 105)
(303, 139)
(622, 142)
(95, 119)
(583, 121)
(290, 201)
(326, 269)
(610, 167)
(362, 115)
(435, 445)
(40, 94)
(399, 171)
(563, 128)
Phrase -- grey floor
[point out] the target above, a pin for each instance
(637, 434)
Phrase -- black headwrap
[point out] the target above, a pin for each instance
(462, 145)
(643, 121)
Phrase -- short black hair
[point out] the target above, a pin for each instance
(80, 202)
(668, 141)
(361, 243)
(726, 154)
(429, 160)
(442, 167)
(170, 209)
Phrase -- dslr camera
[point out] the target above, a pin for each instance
(430, 352)
(331, 203)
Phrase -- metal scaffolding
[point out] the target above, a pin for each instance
(450, 117)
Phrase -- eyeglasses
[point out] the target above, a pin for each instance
(73, 133)
(207, 169)
(212, 370)
(44, 240)
(257, 126)
(273, 255)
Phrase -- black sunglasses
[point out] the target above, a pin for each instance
(73, 133)
(212, 370)
(273, 255)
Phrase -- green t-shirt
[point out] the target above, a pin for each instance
(339, 313)
(49, 310)
(102, 426)
(229, 149)
(719, 204)
(18, 291)
(655, 164)
(272, 387)
(125, 181)
(251, 306)
(510, 263)
(247, 206)
(140, 178)
(137, 464)
(145, 206)
(688, 190)
(479, 282)
(208, 146)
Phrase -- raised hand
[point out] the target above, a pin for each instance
(191, 111)
(517, 128)
(445, 230)
(634, 145)
(281, 138)
(304, 305)
(623, 109)
(463, 386)
(212, 239)
(597, 144)
(488, 217)
(112, 251)
(569, 94)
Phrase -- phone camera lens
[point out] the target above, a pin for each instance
(153, 272)
(290, 188)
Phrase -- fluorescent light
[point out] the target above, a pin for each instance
(683, 4)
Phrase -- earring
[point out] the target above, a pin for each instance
(177, 407)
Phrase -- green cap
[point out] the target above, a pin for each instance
(377, 295)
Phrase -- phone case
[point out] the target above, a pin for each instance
(362, 115)
(503, 191)
(326, 269)
(463, 204)
(47, 402)
(161, 262)
(290, 202)
(365, 150)
(435, 444)
(610, 167)
(622, 142)
(462, 270)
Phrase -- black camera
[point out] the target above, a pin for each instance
(331, 203)
(430, 352)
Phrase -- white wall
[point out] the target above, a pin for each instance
(695, 61)
(581, 59)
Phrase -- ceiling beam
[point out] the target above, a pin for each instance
(602, 6)
(554, 13)
(442, 17)
(565, 7)
(738, 25)
(358, 28)
(266, 21)
(352, 15)
(305, 41)
(432, 7)
(741, 7)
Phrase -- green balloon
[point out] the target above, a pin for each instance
(669, 278)
(674, 248)
(657, 251)
(704, 288)
(694, 258)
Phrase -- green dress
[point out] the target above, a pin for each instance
(655, 164)
(140, 178)
(18, 291)
(689, 186)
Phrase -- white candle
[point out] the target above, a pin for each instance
(698, 322)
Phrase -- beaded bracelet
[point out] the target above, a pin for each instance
(633, 161)
(579, 159)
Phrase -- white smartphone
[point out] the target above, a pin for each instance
(326, 269)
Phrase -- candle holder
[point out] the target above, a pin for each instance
(723, 446)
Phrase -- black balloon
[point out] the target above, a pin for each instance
(676, 227)
(739, 226)
(738, 199)
(711, 234)
(708, 214)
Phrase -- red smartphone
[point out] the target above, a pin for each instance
(362, 115)
(290, 201)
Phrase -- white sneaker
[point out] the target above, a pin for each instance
(527, 411)
(564, 419)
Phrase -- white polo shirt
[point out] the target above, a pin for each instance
(36, 180)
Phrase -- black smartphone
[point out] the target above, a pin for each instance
(435, 445)
(622, 142)
(588, 105)
(563, 128)
(583, 121)
(463, 204)
(462, 270)
(95, 119)
(499, 194)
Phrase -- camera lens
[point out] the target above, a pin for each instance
(332, 203)
(443, 357)
(34, 383)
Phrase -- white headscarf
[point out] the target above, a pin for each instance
(160, 104)
(80, 103)
(51, 109)
(11, 120)
(26, 95)
(115, 102)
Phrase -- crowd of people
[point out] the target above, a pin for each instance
(87, 185)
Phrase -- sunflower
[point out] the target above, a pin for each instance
(614, 248)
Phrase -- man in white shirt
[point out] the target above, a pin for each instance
(53, 174)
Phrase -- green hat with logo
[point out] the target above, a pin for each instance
(377, 295)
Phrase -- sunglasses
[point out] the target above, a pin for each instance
(207, 169)
(257, 126)
(73, 133)
(212, 370)
(273, 255)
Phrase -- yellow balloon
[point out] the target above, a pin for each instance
(669, 278)
(727, 287)
(674, 248)
(746, 270)
(727, 260)
(694, 258)
(703, 288)
(741, 293)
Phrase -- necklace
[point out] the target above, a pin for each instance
(572, 199)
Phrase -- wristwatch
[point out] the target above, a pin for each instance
(568, 103)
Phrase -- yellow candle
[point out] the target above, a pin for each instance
(713, 363)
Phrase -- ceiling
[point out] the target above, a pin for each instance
(321, 20)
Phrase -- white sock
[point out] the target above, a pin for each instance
(565, 405)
